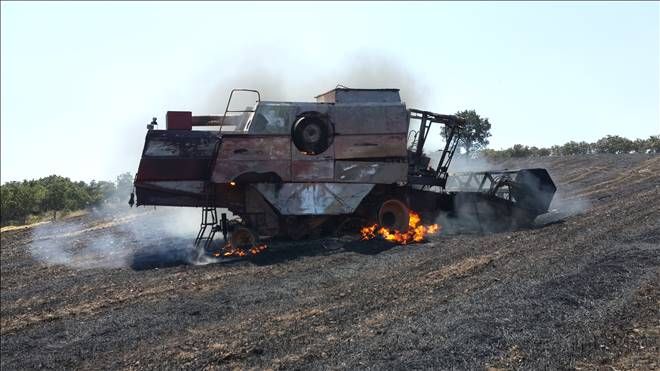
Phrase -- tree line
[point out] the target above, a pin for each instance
(475, 131)
(608, 144)
(21, 201)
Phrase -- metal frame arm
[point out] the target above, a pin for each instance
(452, 125)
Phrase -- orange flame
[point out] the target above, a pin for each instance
(229, 250)
(416, 232)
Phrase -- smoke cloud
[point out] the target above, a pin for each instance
(373, 70)
(359, 69)
(136, 238)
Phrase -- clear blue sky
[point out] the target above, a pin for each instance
(81, 80)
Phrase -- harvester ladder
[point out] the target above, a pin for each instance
(207, 228)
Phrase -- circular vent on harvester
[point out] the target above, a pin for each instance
(312, 133)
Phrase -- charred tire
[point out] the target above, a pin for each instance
(312, 133)
(394, 214)
(243, 238)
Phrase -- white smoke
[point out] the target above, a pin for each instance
(137, 238)
(564, 203)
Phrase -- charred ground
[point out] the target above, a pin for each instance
(580, 291)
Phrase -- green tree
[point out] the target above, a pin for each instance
(38, 191)
(653, 144)
(575, 148)
(55, 198)
(614, 144)
(640, 145)
(519, 150)
(19, 200)
(542, 152)
(10, 207)
(76, 197)
(555, 150)
(475, 133)
(101, 192)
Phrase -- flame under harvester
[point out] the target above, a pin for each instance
(296, 169)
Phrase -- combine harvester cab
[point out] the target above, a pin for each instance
(299, 169)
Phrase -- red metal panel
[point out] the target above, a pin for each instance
(312, 171)
(178, 120)
(173, 169)
(149, 196)
(370, 146)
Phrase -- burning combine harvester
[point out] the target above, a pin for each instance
(354, 159)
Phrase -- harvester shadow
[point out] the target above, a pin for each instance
(371, 247)
(179, 251)
(282, 251)
(285, 254)
(164, 254)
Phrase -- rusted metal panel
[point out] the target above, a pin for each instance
(161, 148)
(312, 170)
(327, 155)
(370, 146)
(243, 154)
(177, 155)
(252, 148)
(178, 143)
(301, 107)
(328, 97)
(262, 215)
(371, 172)
(347, 95)
(226, 171)
(314, 198)
(369, 118)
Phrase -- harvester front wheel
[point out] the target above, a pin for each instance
(243, 238)
(394, 214)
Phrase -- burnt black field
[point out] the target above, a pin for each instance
(579, 291)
